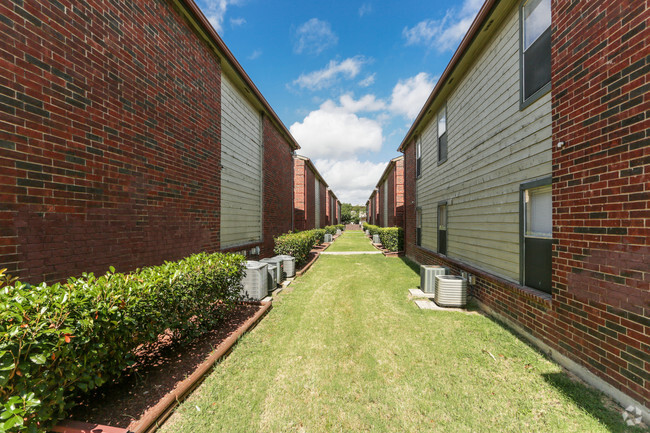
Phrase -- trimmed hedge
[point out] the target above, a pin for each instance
(392, 238)
(62, 340)
(374, 230)
(299, 244)
(340, 226)
(330, 230)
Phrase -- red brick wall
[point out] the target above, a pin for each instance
(328, 208)
(380, 205)
(601, 188)
(409, 200)
(390, 190)
(278, 187)
(399, 194)
(304, 196)
(323, 204)
(105, 156)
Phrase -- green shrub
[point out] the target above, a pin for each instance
(297, 245)
(330, 230)
(318, 235)
(340, 227)
(373, 229)
(62, 340)
(392, 238)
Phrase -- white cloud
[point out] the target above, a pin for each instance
(236, 22)
(444, 34)
(255, 54)
(314, 36)
(366, 103)
(365, 9)
(351, 180)
(368, 81)
(348, 68)
(335, 131)
(410, 95)
(215, 10)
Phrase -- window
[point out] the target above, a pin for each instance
(418, 227)
(442, 135)
(536, 226)
(536, 49)
(442, 227)
(418, 157)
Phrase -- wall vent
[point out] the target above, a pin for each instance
(451, 291)
(428, 275)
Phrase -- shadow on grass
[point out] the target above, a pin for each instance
(411, 264)
(590, 401)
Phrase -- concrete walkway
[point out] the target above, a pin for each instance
(345, 253)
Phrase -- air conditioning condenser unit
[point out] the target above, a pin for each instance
(278, 267)
(288, 265)
(255, 284)
(451, 291)
(428, 275)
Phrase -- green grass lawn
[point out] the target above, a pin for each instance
(351, 240)
(344, 350)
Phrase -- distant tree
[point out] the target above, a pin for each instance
(350, 213)
(346, 214)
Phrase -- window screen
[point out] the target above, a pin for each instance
(536, 44)
(442, 135)
(538, 212)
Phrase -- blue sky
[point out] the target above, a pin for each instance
(346, 77)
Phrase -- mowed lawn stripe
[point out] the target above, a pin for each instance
(345, 350)
(351, 240)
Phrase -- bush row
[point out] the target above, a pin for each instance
(392, 238)
(331, 230)
(373, 229)
(299, 244)
(61, 340)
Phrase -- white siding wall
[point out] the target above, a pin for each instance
(492, 148)
(241, 175)
(317, 204)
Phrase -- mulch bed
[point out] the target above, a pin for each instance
(160, 368)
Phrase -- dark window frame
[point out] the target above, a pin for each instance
(442, 242)
(442, 139)
(522, 229)
(523, 100)
(418, 157)
(418, 226)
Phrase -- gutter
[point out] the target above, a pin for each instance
(473, 31)
(191, 11)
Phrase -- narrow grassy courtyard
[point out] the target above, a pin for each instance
(352, 241)
(345, 350)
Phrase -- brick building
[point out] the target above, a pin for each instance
(388, 195)
(543, 194)
(311, 197)
(120, 128)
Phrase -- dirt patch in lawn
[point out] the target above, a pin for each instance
(159, 369)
